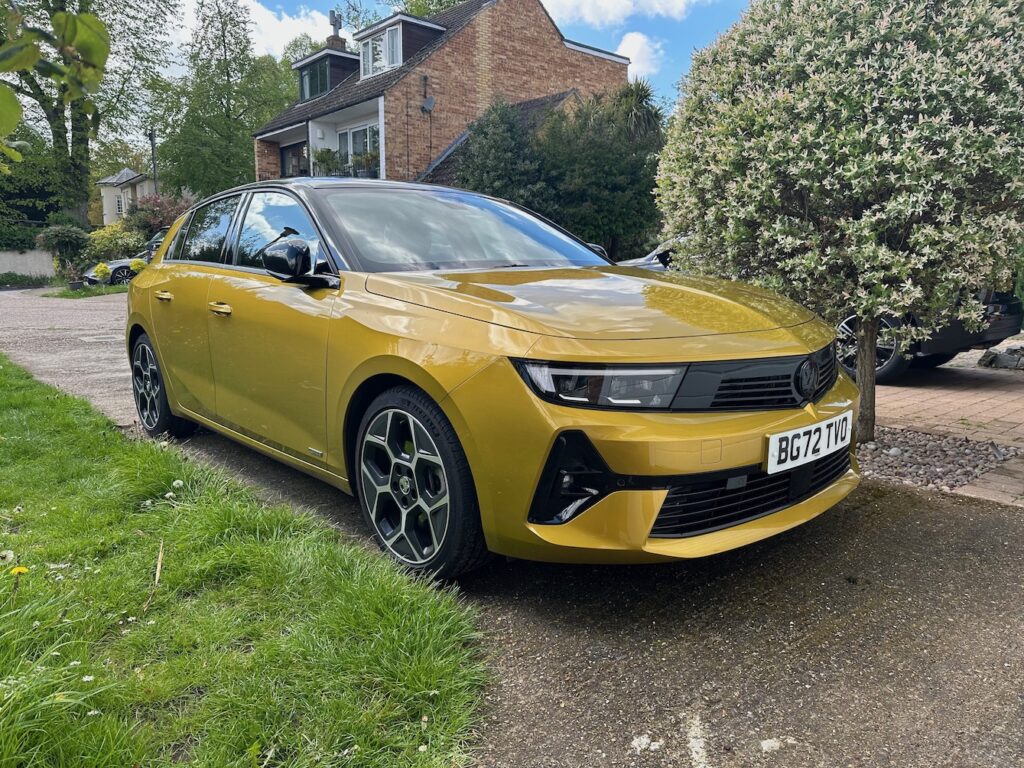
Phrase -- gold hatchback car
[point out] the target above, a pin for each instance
(482, 381)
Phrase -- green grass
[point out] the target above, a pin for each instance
(269, 641)
(86, 291)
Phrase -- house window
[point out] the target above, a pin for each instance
(359, 150)
(314, 80)
(382, 52)
(120, 205)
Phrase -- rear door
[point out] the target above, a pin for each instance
(268, 339)
(178, 304)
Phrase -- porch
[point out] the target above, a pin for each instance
(348, 142)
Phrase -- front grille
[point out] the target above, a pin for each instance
(754, 385)
(708, 502)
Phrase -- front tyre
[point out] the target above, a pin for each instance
(151, 395)
(415, 487)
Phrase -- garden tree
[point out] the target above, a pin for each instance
(27, 191)
(601, 158)
(500, 159)
(211, 112)
(863, 157)
(65, 85)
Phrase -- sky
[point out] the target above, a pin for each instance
(659, 36)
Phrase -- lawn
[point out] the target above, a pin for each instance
(88, 291)
(269, 640)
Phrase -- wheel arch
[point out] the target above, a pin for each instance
(377, 376)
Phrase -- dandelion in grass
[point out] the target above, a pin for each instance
(74, 663)
(178, 484)
(6, 557)
(87, 678)
(169, 496)
(92, 713)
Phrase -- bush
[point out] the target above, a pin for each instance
(863, 157)
(17, 237)
(102, 271)
(65, 242)
(114, 241)
(149, 214)
(15, 279)
(137, 265)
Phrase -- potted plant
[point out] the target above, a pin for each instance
(71, 272)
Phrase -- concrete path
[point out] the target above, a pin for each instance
(888, 632)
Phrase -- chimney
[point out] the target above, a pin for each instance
(336, 42)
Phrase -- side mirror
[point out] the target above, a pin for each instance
(598, 248)
(287, 259)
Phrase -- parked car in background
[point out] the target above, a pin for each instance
(120, 269)
(1003, 318)
(483, 381)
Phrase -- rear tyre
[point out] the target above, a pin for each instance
(933, 361)
(121, 275)
(151, 396)
(415, 487)
(890, 362)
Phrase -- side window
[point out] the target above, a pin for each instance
(174, 249)
(274, 216)
(209, 227)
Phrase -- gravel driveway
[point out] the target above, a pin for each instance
(889, 631)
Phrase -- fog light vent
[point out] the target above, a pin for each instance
(574, 479)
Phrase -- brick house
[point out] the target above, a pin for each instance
(393, 106)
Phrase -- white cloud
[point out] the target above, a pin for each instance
(645, 54)
(602, 13)
(272, 28)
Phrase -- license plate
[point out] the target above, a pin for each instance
(796, 447)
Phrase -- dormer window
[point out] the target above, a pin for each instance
(382, 52)
(314, 79)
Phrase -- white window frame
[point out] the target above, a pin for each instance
(347, 130)
(366, 51)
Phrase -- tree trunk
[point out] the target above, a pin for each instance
(867, 339)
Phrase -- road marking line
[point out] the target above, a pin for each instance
(697, 742)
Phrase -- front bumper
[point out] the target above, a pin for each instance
(513, 432)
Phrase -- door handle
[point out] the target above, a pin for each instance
(163, 295)
(219, 308)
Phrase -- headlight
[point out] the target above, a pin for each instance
(603, 386)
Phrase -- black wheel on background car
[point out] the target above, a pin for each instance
(890, 362)
(415, 486)
(933, 361)
(151, 396)
(121, 275)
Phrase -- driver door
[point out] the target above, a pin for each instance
(268, 339)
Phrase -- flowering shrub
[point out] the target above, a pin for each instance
(152, 213)
(102, 271)
(865, 158)
(114, 241)
(137, 265)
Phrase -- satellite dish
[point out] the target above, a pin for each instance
(428, 105)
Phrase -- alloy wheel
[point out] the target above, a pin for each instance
(146, 385)
(120, 277)
(846, 343)
(404, 485)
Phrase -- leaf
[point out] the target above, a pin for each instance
(64, 27)
(92, 40)
(22, 54)
(10, 111)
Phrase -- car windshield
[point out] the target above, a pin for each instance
(400, 230)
